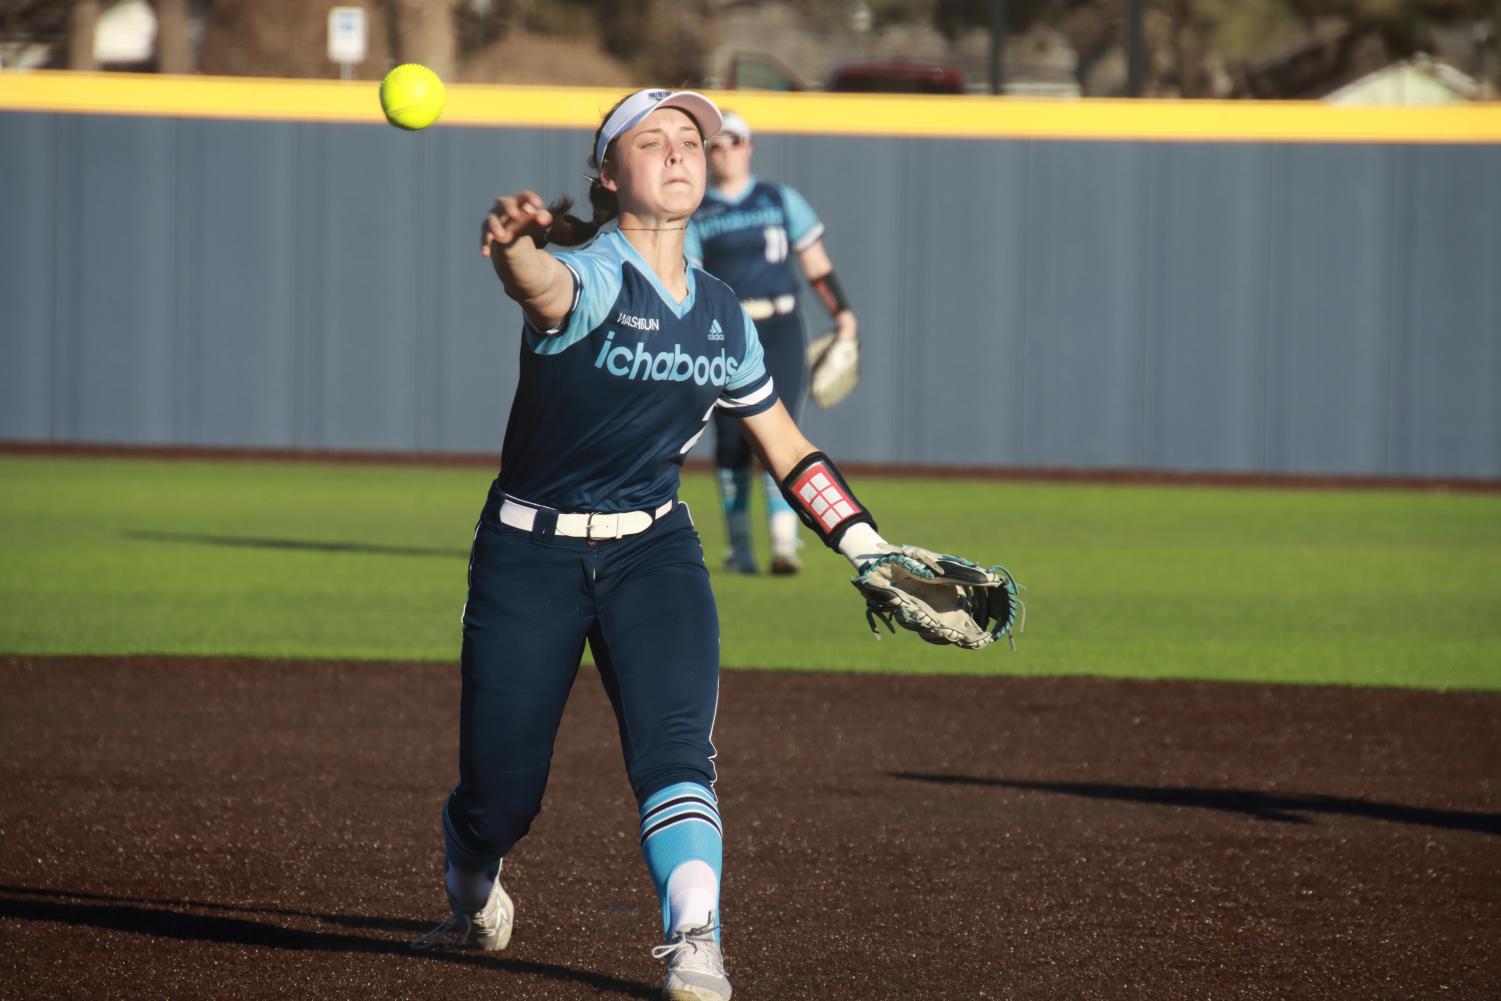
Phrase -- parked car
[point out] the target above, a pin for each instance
(757, 71)
(897, 77)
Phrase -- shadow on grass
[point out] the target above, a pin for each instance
(1283, 808)
(248, 542)
(160, 919)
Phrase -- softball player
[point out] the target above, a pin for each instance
(626, 350)
(747, 233)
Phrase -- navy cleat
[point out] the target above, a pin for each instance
(739, 562)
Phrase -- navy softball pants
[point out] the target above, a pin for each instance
(643, 605)
(786, 356)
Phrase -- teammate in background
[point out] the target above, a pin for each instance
(747, 234)
(626, 350)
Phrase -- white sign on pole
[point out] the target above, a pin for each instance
(346, 34)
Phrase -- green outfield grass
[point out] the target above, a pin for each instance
(348, 561)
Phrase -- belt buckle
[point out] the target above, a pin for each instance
(604, 533)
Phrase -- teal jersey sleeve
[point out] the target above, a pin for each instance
(597, 284)
(803, 227)
(752, 367)
(693, 246)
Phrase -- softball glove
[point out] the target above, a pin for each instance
(833, 369)
(944, 599)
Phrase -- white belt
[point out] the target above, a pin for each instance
(585, 525)
(765, 309)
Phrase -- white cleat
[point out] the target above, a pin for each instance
(695, 966)
(785, 563)
(487, 929)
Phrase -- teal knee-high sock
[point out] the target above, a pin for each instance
(776, 504)
(682, 841)
(734, 496)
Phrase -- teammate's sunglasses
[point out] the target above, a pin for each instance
(726, 142)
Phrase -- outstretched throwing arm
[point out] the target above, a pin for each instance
(510, 236)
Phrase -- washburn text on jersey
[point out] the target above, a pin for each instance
(638, 322)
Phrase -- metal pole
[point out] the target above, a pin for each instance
(1135, 54)
(997, 46)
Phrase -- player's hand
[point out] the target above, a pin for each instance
(846, 328)
(523, 214)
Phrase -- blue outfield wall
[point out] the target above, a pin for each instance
(1330, 308)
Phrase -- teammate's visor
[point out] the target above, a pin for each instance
(642, 103)
(732, 124)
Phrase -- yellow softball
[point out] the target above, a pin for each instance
(411, 95)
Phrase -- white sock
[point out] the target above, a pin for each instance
(784, 532)
(861, 543)
(470, 890)
(692, 895)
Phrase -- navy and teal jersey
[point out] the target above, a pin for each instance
(748, 241)
(608, 404)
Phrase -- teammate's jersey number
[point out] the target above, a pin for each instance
(776, 244)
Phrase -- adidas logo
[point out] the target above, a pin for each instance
(716, 332)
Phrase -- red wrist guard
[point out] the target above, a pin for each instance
(818, 493)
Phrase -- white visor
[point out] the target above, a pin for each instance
(732, 124)
(642, 103)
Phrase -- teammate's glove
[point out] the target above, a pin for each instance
(944, 599)
(833, 369)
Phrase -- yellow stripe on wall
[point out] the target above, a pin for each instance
(975, 117)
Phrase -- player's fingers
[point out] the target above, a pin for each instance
(512, 216)
(520, 204)
(507, 221)
(508, 209)
(524, 218)
(530, 220)
(493, 230)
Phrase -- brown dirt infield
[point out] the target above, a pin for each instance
(257, 829)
